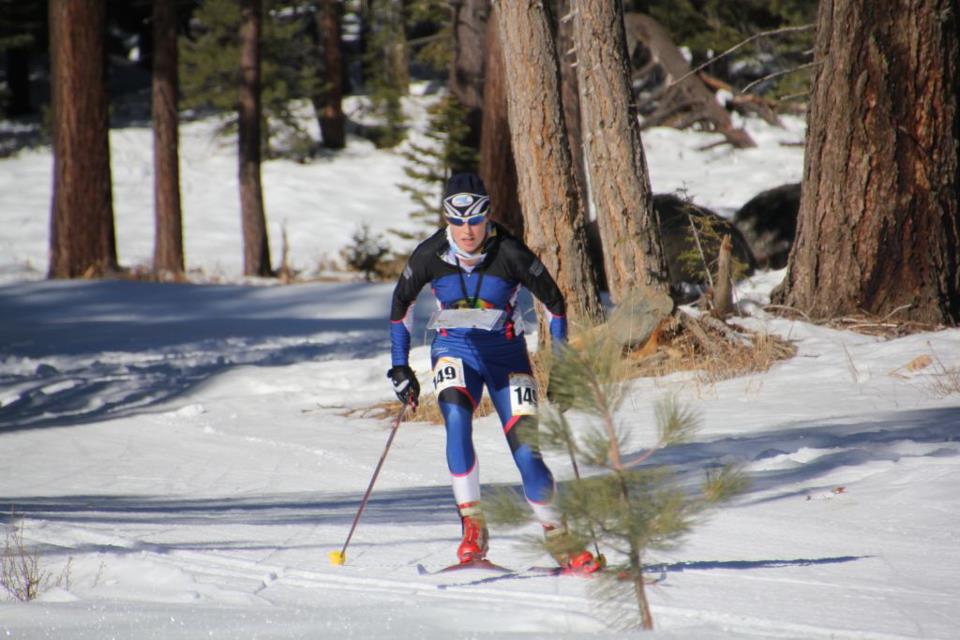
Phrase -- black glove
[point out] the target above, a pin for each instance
(405, 384)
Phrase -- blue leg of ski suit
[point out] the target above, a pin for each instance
(490, 361)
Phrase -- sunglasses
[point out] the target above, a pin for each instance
(472, 220)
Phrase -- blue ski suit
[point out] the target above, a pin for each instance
(464, 360)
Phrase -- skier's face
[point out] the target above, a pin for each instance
(469, 237)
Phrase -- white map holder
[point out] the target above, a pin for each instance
(486, 319)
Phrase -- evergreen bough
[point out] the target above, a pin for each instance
(433, 51)
(430, 164)
(627, 505)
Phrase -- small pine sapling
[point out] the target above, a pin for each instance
(366, 252)
(628, 505)
(700, 258)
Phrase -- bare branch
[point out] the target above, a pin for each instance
(777, 74)
(696, 236)
(756, 36)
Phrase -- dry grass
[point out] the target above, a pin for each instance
(716, 354)
(20, 573)
(944, 381)
(939, 379)
(427, 411)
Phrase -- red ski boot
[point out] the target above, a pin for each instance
(569, 554)
(473, 547)
(583, 563)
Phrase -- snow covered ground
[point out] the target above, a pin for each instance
(181, 455)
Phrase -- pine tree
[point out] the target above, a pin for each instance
(629, 506)
(428, 165)
(208, 68)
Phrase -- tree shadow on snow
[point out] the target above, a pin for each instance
(740, 565)
(78, 352)
(792, 460)
(395, 507)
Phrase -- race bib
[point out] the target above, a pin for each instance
(523, 394)
(447, 373)
(486, 319)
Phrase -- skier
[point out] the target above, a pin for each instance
(476, 268)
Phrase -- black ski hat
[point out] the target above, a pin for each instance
(465, 196)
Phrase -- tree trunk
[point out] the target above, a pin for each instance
(879, 222)
(618, 177)
(82, 240)
(329, 102)
(397, 52)
(497, 166)
(256, 251)
(470, 18)
(552, 205)
(723, 287)
(168, 249)
(570, 98)
(570, 92)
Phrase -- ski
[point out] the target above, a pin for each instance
(501, 571)
(483, 565)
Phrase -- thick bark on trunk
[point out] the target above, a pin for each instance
(256, 251)
(329, 103)
(879, 222)
(723, 287)
(168, 247)
(552, 205)
(618, 176)
(82, 241)
(570, 91)
(570, 98)
(497, 166)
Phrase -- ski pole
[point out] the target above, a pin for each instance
(339, 557)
